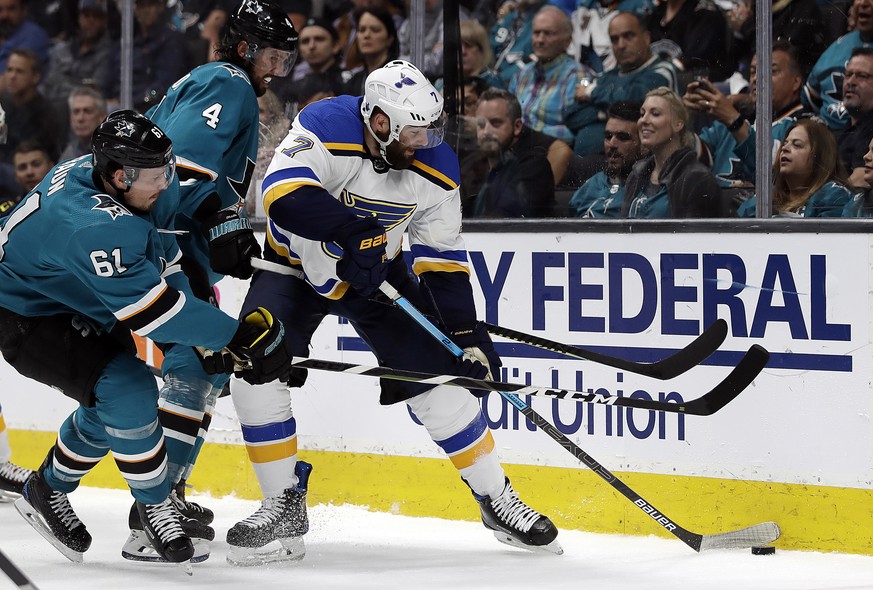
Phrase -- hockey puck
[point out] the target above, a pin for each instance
(763, 550)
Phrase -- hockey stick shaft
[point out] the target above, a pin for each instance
(693, 540)
(739, 378)
(686, 358)
(16, 575)
(706, 405)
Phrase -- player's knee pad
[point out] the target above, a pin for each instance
(260, 404)
(445, 410)
(67, 352)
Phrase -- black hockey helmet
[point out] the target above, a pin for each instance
(128, 140)
(262, 24)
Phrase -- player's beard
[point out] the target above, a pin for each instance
(398, 155)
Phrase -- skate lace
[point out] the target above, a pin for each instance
(164, 519)
(184, 505)
(268, 513)
(513, 511)
(61, 508)
(13, 472)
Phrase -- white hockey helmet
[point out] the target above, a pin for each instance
(410, 102)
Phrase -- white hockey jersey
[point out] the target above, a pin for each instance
(325, 148)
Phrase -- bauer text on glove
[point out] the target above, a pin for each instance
(364, 264)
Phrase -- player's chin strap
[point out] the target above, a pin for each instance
(383, 148)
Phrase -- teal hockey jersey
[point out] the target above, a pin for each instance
(69, 247)
(211, 114)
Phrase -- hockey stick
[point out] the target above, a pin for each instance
(706, 405)
(737, 380)
(16, 575)
(753, 536)
(672, 366)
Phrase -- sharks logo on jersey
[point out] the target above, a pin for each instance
(107, 204)
(233, 71)
(241, 187)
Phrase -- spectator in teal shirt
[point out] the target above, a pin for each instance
(809, 178)
(602, 194)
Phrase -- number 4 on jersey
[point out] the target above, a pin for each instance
(211, 115)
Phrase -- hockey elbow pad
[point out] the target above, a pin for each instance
(232, 243)
(260, 339)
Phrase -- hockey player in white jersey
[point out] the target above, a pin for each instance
(354, 174)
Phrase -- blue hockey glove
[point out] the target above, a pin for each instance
(364, 264)
(232, 243)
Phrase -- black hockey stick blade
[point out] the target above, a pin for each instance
(684, 359)
(749, 367)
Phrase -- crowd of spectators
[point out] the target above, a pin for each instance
(579, 108)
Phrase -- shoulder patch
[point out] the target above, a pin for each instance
(234, 71)
(110, 206)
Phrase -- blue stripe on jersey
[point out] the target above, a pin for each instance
(270, 432)
(422, 251)
(286, 174)
(470, 434)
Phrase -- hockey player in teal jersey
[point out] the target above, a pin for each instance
(211, 114)
(86, 258)
(351, 178)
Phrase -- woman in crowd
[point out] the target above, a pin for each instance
(808, 179)
(671, 182)
(377, 44)
(476, 55)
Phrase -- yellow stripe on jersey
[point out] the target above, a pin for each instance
(469, 457)
(433, 266)
(272, 452)
(344, 147)
(280, 189)
(435, 174)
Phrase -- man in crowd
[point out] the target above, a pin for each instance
(602, 194)
(858, 103)
(31, 162)
(520, 182)
(87, 109)
(637, 71)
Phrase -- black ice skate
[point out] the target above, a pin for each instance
(50, 514)
(163, 531)
(12, 478)
(517, 524)
(275, 531)
(139, 548)
(190, 509)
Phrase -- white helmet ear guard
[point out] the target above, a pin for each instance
(407, 98)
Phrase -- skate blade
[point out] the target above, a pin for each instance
(138, 548)
(553, 547)
(35, 520)
(7, 497)
(283, 550)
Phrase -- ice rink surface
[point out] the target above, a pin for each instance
(351, 548)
